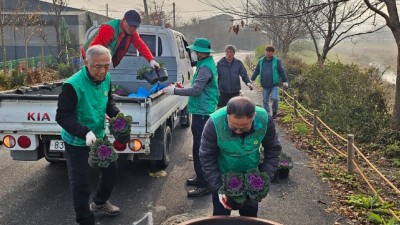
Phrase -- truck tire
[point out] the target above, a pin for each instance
(164, 140)
(186, 117)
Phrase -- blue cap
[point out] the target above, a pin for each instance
(133, 18)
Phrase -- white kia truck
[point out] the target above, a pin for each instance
(27, 115)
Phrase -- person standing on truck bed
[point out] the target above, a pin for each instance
(117, 35)
(203, 99)
(229, 70)
(82, 104)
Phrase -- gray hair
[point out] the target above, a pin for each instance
(230, 47)
(241, 106)
(97, 50)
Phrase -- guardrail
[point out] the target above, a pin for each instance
(322, 130)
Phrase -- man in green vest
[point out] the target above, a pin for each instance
(84, 101)
(203, 99)
(230, 143)
(271, 72)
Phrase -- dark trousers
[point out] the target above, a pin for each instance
(225, 97)
(78, 172)
(250, 207)
(198, 122)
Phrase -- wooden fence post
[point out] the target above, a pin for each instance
(295, 105)
(315, 123)
(350, 153)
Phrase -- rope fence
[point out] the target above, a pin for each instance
(322, 130)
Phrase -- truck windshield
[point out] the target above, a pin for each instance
(150, 41)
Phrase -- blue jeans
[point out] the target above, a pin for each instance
(274, 94)
(78, 172)
(198, 122)
(250, 207)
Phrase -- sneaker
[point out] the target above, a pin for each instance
(106, 208)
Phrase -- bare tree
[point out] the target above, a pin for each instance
(282, 30)
(336, 22)
(28, 23)
(6, 19)
(158, 13)
(56, 10)
(388, 10)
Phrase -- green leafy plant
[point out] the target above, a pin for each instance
(287, 119)
(143, 70)
(369, 202)
(301, 129)
(102, 154)
(378, 219)
(65, 70)
(285, 161)
(393, 150)
(120, 127)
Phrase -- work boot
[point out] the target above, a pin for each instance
(191, 181)
(106, 208)
(198, 191)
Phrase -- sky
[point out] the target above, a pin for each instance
(185, 9)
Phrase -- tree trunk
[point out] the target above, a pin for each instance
(4, 49)
(396, 111)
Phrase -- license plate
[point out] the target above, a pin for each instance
(57, 145)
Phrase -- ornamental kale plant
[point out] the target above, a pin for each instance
(240, 187)
(120, 125)
(233, 186)
(102, 154)
(257, 184)
(285, 161)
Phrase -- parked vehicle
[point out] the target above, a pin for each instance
(27, 115)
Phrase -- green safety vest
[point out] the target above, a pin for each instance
(275, 73)
(112, 46)
(91, 105)
(237, 154)
(206, 101)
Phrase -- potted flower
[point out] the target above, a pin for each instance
(257, 184)
(162, 72)
(120, 127)
(284, 166)
(101, 154)
(240, 187)
(147, 73)
(233, 187)
(118, 90)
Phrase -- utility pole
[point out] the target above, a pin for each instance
(107, 9)
(173, 12)
(247, 13)
(146, 12)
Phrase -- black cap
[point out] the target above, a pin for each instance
(132, 18)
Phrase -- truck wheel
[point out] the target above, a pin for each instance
(166, 145)
(186, 117)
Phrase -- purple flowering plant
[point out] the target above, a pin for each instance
(240, 187)
(257, 184)
(233, 186)
(285, 161)
(120, 125)
(102, 154)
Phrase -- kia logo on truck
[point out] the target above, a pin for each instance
(38, 116)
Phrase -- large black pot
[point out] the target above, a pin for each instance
(229, 220)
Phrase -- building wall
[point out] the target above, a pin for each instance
(78, 22)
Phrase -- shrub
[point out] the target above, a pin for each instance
(393, 150)
(65, 70)
(3, 81)
(17, 79)
(348, 98)
(294, 67)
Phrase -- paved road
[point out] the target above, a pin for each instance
(37, 193)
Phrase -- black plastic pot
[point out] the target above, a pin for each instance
(92, 163)
(162, 74)
(151, 77)
(233, 204)
(229, 220)
(283, 174)
(123, 139)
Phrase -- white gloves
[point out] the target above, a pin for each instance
(154, 64)
(170, 90)
(222, 199)
(285, 84)
(90, 138)
(250, 86)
